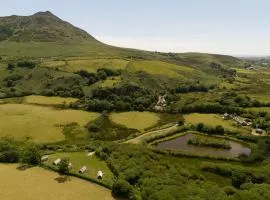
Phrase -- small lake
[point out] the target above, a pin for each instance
(181, 143)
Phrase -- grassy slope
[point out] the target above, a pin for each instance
(37, 183)
(211, 120)
(135, 120)
(94, 164)
(43, 124)
(42, 100)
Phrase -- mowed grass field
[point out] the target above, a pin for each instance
(39, 184)
(135, 120)
(93, 164)
(42, 100)
(42, 124)
(159, 68)
(211, 120)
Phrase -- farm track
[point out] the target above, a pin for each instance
(139, 139)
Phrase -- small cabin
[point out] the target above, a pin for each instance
(57, 161)
(258, 130)
(83, 170)
(44, 158)
(226, 116)
(100, 175)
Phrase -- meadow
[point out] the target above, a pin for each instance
(159, 68)
(135, 120)
(211, 120)
(37, 183)
(93, 164)
(43, 100)
(42, 124)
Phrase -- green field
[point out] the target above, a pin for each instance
(110, 82)
(42, 100)
(93, 164)
(159, 68)
(42, 124)
(37, 183)
(259, 109)
(211, 120)
(90, 65)
(135, 120)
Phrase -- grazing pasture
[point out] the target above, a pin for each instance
(37, 183)
(42, 124)
(93, 164)
(42, 100)
(211, 120)
(110, 82)
(93, 65)
(135, 120)
(159, 68)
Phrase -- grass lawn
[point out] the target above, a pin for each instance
(43, 124)
(42, 100)
(37, 183)
(93, 164)
(135, 120)
(159, 68)
(211, 120)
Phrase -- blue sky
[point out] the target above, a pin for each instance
(236, 27)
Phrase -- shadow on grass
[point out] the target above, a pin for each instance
(62, 179)
(23, 167)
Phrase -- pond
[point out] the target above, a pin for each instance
(181, 143)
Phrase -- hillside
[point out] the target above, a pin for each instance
(40, 27)
(66, 96)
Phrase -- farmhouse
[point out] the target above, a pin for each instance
(100, 175)
(226, 116)
(57, 161)
(161, 103)
(83, 170)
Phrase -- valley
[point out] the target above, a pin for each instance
(156, 125)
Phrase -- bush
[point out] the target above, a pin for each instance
(27, 64)
(63, 167)
(31, 155)
(238, 178)
(122, 188)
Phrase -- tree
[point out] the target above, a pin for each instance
(122, 188)
(181, 121)
(219, 130)
(200, 127)
(238, 178)
(63, 166)
(10, 66)
(31, 155)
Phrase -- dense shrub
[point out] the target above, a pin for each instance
(122, 188)
(26, 64)
(31, 155)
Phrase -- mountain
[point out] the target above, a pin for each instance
(40, 27)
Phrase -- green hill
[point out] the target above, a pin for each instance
(40, 27)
